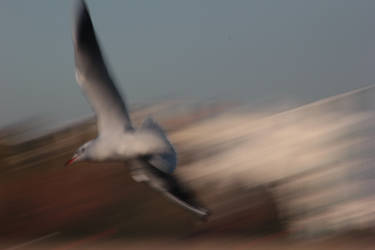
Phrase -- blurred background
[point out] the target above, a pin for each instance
(269, 104)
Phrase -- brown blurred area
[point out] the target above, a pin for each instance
(43, 199)
(270, 179)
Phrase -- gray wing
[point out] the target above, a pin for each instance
(168, 185)
(167, 161)
(94, 78)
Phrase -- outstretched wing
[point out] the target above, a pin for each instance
(142, 171)
(94, 78)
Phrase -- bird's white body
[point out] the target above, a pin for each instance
(126, 145)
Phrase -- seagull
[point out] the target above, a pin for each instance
(147, 150)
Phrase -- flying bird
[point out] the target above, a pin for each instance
(147, 150)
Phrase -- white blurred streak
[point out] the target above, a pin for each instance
(309, 156)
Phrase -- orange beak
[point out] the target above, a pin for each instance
(71, 161)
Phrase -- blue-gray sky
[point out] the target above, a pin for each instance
(259, 51)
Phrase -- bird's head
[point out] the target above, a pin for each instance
(81, 154)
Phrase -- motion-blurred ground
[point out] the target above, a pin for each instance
(305, 173)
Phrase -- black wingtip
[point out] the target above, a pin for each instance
(84, 34)
(81, 13)
(204, 217)
(80, 8)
